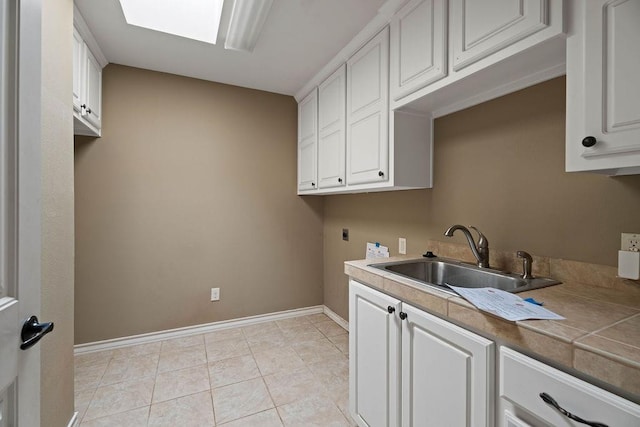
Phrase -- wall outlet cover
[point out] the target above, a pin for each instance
(402, 246)
(215, 294)
(630, 242)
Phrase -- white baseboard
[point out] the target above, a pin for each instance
(73, 422)
(200, 329)
(339, 320)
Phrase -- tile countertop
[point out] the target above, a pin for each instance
(600, 337)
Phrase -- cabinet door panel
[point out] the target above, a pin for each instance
(622, 33)
(332, 137)
(331, 159)
(94, 90)
(366, 158)
(78, 59)
(374, 343)
(368, 112)
(603, 87)
(418, 46)
(365, 78)
(480, 28)
(613, 109)
(447, 373)
(307, 141)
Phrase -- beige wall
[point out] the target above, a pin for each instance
(498, 166)
(191, 186)
(57, 218)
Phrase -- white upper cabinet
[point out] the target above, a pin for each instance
(603, 88)
(368, 112)
(361, 145)
(331, 130)
(480, 28)
(418, 46)
(308, 142)
(93, 91)
(88, 62)
(78, 65)
(434, 58)
(444, 62)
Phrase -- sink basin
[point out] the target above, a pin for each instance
(441, 272)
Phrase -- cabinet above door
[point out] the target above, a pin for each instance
(88, 62)
(479, 29)
(419, 39)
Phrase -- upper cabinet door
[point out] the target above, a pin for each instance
(418, 46)
(368, 112)
(307, 141)
(331, 130)
(78, 61)
(603, 88)
(481, 28)
(94, 90)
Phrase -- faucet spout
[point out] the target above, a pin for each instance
(480, 251)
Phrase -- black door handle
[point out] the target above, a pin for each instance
(32, 331)
(551, 401)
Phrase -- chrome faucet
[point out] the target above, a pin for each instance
(481, 252)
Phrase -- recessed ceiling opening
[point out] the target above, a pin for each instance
(193, 19)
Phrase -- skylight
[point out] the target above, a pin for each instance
(193, 19)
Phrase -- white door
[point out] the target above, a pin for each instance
(418, 46)
(480, 28)
(331, 130)
(374, 357)
(19, 209)
(368, 112)
(447, 373)
(603, 88)
(78, 65)
(93, 90)
(308, 142)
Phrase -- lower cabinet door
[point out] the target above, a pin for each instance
(374, 353)
(447, 373)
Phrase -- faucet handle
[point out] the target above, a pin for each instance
(527, 262)
(482, 240)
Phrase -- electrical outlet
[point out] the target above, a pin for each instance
(345, 234)
(630, 242)
(215, 294)
(402, 246)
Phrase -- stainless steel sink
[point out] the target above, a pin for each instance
(441, 272)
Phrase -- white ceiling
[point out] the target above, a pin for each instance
(298, 39)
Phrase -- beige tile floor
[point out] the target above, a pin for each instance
(291, 372)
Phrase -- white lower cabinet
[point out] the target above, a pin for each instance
(374, 357)
(410, 368)
(447, 373)
(522, 380)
